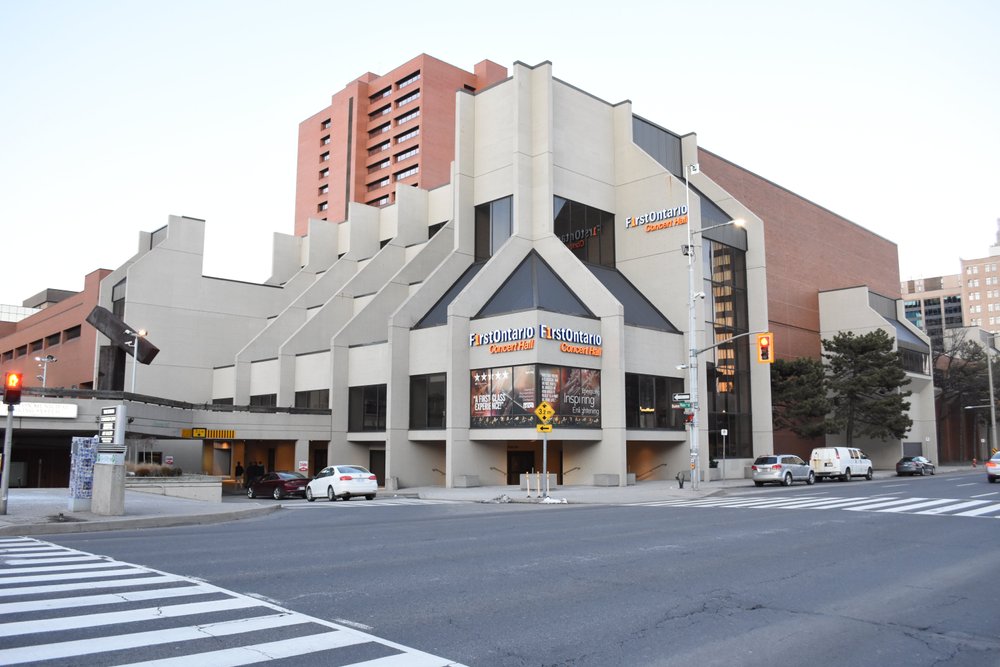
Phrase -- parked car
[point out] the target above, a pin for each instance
(278, 485)
(342, 481)
(840, 462)
(914, 465)
(993, 468)
(781, 469)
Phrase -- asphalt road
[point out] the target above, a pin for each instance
(625, 585)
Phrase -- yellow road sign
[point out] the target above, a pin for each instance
(544, 412)
(543, 428)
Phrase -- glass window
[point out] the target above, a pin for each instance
(313, 399)
(493, 226)
(648, 402)
(264, 400)
(427, 401)
(366, 408)
(587, 231)
(71, 333)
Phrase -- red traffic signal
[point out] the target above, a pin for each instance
(12, 388)
(765, 348)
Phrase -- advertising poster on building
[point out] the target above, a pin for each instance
(506, 396)
(503, 396)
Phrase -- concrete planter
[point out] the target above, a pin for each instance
(206, 488)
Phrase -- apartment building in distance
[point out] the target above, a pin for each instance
(934, 305)
(970, 298)
(380, 132)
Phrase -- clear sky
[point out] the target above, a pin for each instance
(114, 115)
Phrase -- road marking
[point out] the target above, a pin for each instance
(979, 511)
(890, 503)
(131, 630)
(984, 495)
(952, 508)
(967, 484)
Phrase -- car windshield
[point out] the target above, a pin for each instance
(765, 460)
(290, 475)
(906, 459)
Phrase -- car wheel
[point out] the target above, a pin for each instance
(922, 473)
(278, 495)
(329, 494)
(846, 477)
(309, 495)
(788, 480)
(991, 479)
(346, 496)
(932, 471)
(762, 483)
(811, 479)
(370, 496)
(869, 475)
(250, 493)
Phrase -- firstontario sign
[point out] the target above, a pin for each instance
(657, 220)
(515, 339)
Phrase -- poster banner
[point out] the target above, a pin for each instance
(506, 396)
(503, 397)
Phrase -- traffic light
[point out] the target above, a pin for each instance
(765, 348)
(12, 388)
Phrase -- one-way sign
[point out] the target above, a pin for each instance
(682, 397)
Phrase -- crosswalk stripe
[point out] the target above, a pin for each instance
(89, 585)
(995, 507)
(105, 599)
(115, 568)
(97, 564)
(292, 634)
(920, 505)
(80, 647)
(883, 503)
(131, 616)
(45, 560)
(952, 508)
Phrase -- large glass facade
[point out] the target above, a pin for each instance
(727, 366)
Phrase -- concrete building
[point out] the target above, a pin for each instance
(934, 305)
(552, 264)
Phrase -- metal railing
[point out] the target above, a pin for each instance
(650, 471)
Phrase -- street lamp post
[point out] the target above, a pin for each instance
(136, 335)
(44, 364)
(993, 405)
(693, 296)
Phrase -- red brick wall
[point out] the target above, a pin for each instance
(438, 84)
(75, 365)
(808, 249)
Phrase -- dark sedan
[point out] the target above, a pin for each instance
(278, 485)
(914, 465)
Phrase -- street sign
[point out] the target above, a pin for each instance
(682, 397)
(544, 412)
(543, 428)
(685, 404)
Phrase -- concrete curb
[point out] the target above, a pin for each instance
(135, 523)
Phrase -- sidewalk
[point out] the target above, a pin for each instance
(44, 511)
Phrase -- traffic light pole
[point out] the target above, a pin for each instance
(5, 476)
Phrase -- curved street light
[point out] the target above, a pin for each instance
(44, 365)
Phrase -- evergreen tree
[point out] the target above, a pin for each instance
(960, 375)
(865, 377)
(799, 397)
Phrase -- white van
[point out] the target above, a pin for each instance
(840, 462)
